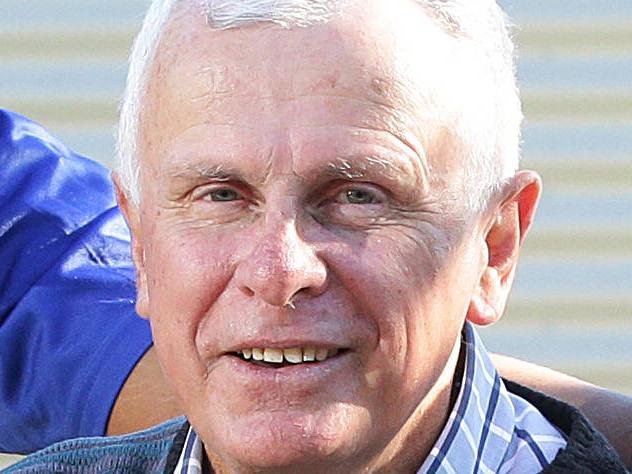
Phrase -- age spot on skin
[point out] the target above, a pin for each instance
(328, 82)
(380, 87)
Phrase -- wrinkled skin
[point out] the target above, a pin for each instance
(326, 175)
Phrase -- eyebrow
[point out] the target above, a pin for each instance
(344, 168)
(351, 167)
(199, 170)
(368, 167)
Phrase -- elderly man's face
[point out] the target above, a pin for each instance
(302, 191)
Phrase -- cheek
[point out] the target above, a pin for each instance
(382, 277)
(179, 266)
(390, 274)
(186, 276)
(402, 281)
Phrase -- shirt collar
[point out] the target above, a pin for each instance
(192, 455)
(490, 430)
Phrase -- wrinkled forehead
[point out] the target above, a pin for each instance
(368, 49)
(386, 66)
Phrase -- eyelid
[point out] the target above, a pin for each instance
(202, 191)
(379, 194)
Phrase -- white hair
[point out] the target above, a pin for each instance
(492, 142)
(140, 59)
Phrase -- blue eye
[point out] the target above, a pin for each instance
(359, 196)
(223, 195)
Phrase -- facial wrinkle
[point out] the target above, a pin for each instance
(214, 172)
(435, 253)
(396, 119)
(417, 149)
(243, 93)
(267, 174)
(217, 82)
(218, 166)
(426, 225)
(344, 168)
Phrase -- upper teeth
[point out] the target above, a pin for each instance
(295, 355)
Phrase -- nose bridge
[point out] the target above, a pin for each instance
(279, 250)
(281, 263)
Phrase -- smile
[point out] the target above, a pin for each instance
(281, 357)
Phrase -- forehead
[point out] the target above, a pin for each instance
(375, 65)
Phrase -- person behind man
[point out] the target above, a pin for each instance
(314, 235)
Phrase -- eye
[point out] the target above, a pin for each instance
(353, 204)
(358, 196)
(223, 195)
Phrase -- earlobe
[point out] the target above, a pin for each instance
(503, 240)
(132, 217)
(484, 308)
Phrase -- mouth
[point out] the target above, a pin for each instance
(277, 358)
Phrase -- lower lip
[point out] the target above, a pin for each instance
(311, 372)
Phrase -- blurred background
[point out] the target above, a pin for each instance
(63, 63)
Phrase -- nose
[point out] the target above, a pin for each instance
(280, 266)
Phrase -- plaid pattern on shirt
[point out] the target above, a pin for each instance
(192, 455)
(489, 430)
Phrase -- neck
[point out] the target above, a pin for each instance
(408, 450)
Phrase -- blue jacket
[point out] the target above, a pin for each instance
(69, 334)
(152, 451)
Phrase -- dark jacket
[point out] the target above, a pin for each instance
(587, 450)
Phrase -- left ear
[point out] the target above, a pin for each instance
(131, 213)
(504, 238)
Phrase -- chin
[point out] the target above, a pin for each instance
(290, 441)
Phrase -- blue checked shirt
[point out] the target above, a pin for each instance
(489, 430)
